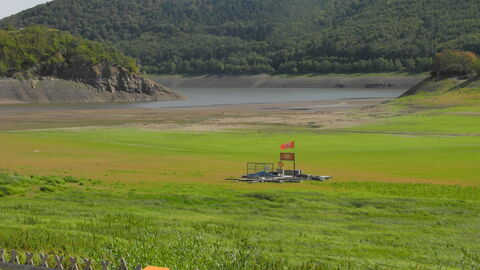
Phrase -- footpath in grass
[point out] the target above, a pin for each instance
(207, 226)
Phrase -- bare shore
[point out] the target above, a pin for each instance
(315, 114)
(318, 114)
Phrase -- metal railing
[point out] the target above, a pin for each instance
(13, 263)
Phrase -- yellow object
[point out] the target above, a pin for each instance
(155, 268)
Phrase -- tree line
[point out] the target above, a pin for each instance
(42, 51)
(269, 36)
(244, 65)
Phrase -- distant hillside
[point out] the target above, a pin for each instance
(37, 53)
(273, 36)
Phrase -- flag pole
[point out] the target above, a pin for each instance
(295, 159)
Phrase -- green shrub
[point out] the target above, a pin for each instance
(46, 189)
(453, 62)
(19, 184)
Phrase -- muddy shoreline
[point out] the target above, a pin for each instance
(314, 114)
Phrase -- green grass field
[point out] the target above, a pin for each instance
(133, 155)
(455, 121)
(398, 201)
(214, 226)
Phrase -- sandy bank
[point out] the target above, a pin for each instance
(266, 81)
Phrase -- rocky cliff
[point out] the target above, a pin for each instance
(89, 83)
(112, 79)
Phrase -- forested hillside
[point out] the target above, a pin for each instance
(274, 36)
(42, 51)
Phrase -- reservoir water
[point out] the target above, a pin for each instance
(229, 96)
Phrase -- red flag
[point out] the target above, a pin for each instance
(287, 145)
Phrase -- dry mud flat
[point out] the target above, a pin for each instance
(318, 114)
(266, 81)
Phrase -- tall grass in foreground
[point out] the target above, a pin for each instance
(204, 226)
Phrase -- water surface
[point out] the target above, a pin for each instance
(229, 96)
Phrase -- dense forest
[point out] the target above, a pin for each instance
(37, 50)
(272, 36)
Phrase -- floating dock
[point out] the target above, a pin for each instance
(279, 176)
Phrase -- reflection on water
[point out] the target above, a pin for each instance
(229, 96)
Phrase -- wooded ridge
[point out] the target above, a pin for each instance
(269, 36)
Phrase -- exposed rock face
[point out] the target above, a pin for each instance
(99, 83)
(113, 79)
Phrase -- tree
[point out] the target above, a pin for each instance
(411, 65)
(423, 64)
(453, 62)
(476, 66)
(3, 68)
